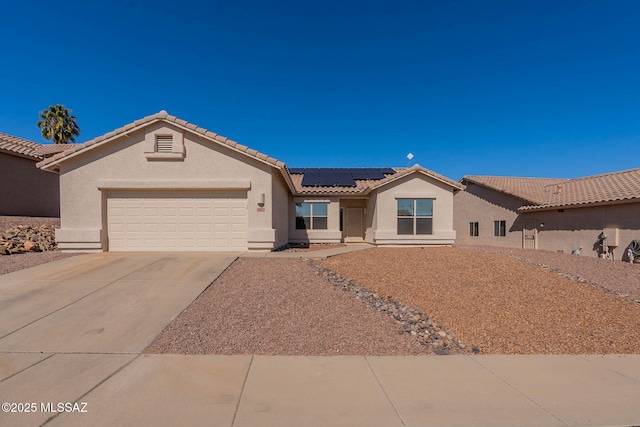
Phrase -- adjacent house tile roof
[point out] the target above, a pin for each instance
(530, 190)
(13, 144)
(162, 115)
(597, 189)
(46, 150)
(365, 186)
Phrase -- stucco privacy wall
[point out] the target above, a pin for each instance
(484, 206)
(580, 227)
(122, 163)
(413, 187)
(26, 190)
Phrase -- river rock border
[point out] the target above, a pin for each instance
(413, 321)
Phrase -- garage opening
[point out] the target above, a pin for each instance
(176, 221)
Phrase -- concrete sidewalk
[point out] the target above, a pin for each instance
(169, 390)
(320, 253)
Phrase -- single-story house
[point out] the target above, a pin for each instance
(26, 190)
(163, 184)
(567, 215)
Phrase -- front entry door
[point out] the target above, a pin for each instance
(529, 234)
(354, 230)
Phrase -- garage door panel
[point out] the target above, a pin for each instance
(176, 221)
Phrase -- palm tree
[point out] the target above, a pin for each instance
(58, 124)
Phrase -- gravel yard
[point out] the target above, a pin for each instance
(281, 307)
(621, 278)
(9, 263)
(502, 305)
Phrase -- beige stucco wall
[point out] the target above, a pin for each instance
(484, 206)
(205, 163)
(581, 228)
(415, 185)
(557, 230)
(26, 190)
(280, 203)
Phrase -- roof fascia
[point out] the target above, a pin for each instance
(534, 208)
(23, 155)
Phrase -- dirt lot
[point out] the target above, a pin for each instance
(500, 304)
(9, 263)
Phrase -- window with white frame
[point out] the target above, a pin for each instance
(415, 216)
(311, 216)
(499, 228)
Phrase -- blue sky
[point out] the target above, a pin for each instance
(520, 88)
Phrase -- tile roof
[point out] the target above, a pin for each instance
(21, 146)
(530, 190)
(365, 186)
(293, 180)
(402, 172)
(46, 150)
(597, 189)
(164, 116)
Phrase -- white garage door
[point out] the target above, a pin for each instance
(177, 221)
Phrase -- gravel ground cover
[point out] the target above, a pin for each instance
(618, 277)
(269, 306)
(6, 222)
(9, 263)
(498, 304)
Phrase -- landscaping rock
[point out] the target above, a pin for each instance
(413, 321)
(22, 239)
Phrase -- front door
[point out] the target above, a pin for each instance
(529, 234)
(354, 225)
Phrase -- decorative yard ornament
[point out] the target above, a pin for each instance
(409, 156)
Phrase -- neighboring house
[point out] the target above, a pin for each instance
(564, 215)
(161, 183)
(26, 190)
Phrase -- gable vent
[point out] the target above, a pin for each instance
(164, 143)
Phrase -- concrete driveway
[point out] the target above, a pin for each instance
(101, 303)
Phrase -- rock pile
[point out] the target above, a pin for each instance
(413, 321)
(22, 239)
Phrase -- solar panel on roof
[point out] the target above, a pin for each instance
(387, 170)
(345, 179)
(327, 177)
(311, 177)
(296, 170)
(375, 174)
(359, 173)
